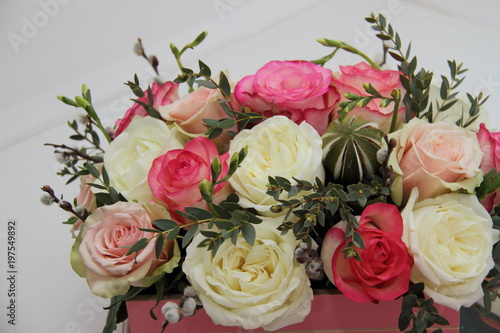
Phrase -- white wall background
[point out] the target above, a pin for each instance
(51, 47)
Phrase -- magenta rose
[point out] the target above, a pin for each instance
(385, 267)
(162, 95)
(175, 177)
(351, 80)
(300, 90)
(490, 146)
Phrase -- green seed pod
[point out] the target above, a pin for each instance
(350, 149)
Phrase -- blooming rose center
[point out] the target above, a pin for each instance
(441, 145)
(247, 267)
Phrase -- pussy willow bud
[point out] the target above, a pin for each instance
(189, 291)
(65, 205)
(47, 199)
(382, 155)
(189, 307)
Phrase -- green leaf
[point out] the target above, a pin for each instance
(173, 233)
(224, 85)
(77, 137)
(199, 213)
(249, 233)
(93, 170)
(226, 123)
(160, 240)
(204, 69)
(139, 245)
(105, 176)
(206, 83)
(165, 224)
(189, 235)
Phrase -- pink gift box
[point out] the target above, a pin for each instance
(331, 312)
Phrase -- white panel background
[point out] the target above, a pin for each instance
(67, 43)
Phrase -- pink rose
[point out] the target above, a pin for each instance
(299, 90)
(162, 95)
(100, 251)
(189, 112)
(490, 146)
(436, 158)
(175, 177)
(385, 267)
(351, 80)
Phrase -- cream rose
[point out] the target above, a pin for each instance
(251, 286)
(129, 157)
(450, 238)
(436, 158)
(276, 147)
(99, 253)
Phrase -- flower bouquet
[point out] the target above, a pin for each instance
(244, 197)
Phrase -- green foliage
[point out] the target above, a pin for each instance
(148, 101)
(417, 83)
(224, 221)
(308, 205)
(425, 314)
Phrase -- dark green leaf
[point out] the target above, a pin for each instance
(189, 235)
(199, 213)
(139, 245)
(165, 224)
(224, 85)
(160, 240)
(249, 233)
(173, 233)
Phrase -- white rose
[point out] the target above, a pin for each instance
(276, 147)
(251, 286)
(129, 157)
(450, 238)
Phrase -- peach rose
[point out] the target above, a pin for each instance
(189, 111)
(434, 157)
(100, 250)
(351, 80)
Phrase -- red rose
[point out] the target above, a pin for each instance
(385, 267)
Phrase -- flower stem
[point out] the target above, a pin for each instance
(348, 48)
